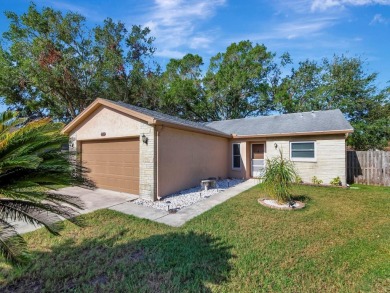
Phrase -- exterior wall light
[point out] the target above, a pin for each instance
(144, 139)
(275, 145)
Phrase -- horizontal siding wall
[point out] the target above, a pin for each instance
(330, 153)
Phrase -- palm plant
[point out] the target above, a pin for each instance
(32, 166)
(278, 177)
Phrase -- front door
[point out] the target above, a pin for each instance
(258, 162)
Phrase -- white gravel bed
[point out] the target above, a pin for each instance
(271, 203)
(275, 203)
(187, 197)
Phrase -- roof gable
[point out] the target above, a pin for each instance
(316, 122)
(148, 116)
(95, 105)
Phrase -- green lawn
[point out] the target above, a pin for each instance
(339, 243)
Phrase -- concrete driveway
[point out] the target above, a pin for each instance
(122, 202)
(93, 200)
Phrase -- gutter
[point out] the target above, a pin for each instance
(345, 131)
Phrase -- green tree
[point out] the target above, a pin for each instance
(348, 87)
(373, 131)
(52, 64)
(340, 83)
(125, 63)
(298, 92)
(183, 93)
(46, 64)
(237, 82)
(31, 166)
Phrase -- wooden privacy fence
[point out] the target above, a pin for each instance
(368, 167)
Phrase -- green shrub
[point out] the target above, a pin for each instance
(298, 179)
(32, 165)
(279, 175)
(336, 181)
(315, 180)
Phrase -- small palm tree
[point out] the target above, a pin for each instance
(32, 165)
(278, 177)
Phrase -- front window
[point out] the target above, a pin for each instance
(302, 151)
(236, 156)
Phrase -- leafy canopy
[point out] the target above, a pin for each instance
(236, 82)
(52, 64)
(340, 83)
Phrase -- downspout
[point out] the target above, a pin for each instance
(346, 160)
(157, 163)
(156, 132)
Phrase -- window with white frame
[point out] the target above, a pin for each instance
(236, 156)
(303, 150)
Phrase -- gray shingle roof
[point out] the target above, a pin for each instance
(170, 119)
(316, 121)
(330, 120)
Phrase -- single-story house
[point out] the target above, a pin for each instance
(139, 151)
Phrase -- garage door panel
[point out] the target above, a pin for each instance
(109, 156)
(124, 161)
(115, 184)
(113, 164)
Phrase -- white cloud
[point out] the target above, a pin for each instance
(327, 4)
(175, 24)
(314, 17)
(378, 18)
(305, 6)
(200, 42)
(303, 28)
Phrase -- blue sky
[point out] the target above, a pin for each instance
(305, 28)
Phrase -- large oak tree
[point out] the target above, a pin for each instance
(53, 64)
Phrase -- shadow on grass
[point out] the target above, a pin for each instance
(172, 262)
(302, 198)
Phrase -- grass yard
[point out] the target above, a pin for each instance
(339, 243)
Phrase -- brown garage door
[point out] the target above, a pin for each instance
(113, 164)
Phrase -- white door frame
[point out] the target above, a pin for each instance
(263, 143)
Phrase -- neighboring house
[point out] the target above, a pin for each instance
(139, 151)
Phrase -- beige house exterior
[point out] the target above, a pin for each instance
(329, 162)
(139, 151)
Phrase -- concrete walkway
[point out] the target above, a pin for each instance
(182, 216)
